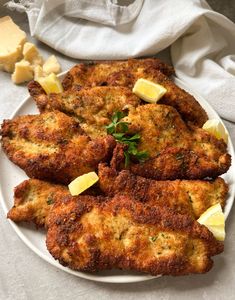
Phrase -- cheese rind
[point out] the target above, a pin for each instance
(12, 39)
(23, 72)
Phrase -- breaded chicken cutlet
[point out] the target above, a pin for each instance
(93, 108)
(176, 150)
(192, 197)
(127, 220)
(102, 73)
(53, 147)
(33, 198)
(91, 234)
(127, 73)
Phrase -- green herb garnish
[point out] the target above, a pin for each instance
(118, 129)
(152, 239)
(117, 124)
(50, 201)
(179, 156)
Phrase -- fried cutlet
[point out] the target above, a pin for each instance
(92, 108)
(33, 199)
(52, 146)
(176, 150)
(102, 73)
(127, 73)
(89, 234)
(191, 197)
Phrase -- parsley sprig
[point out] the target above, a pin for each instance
(116, 124)
(118, 129)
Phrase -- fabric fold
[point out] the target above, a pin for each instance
(201, 40)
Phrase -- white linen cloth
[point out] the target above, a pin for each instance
(202, 41)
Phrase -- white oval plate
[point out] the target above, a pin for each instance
(11, 175)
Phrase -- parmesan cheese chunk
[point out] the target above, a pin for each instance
(12, 39)
(23, 72)
(51, 65)
(38, 72)
(31, 54)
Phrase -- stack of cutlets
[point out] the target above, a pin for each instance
(141, 216)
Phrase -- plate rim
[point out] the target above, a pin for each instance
(111, 278)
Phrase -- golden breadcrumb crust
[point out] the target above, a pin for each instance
(90, 234)
(102, 73)
(51, 146)
(191, 197)
(176, 150)
(33, 199)
(93, 108)
(127, 73)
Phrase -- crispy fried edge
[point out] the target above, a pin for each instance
(35, 168)
(157, 63)
(62, 225)
(157, 168)
(112, 182)
(25, 210)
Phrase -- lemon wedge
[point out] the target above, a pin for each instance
(216, 128)
(148, 91)
(50, 84)
(82, 183)
(213, 219)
